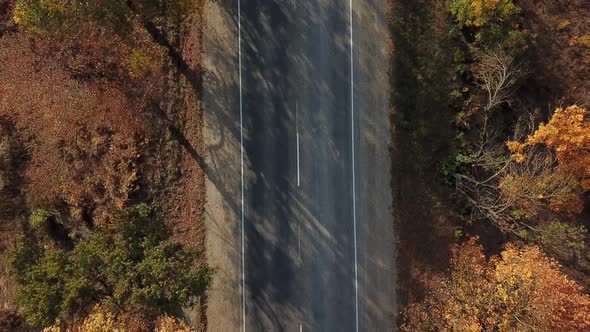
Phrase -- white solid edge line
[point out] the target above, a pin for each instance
(356, 297)
(243, 285)
(298, 171)
(297, 130)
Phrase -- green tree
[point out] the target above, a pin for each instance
(493, 21)
(562, 239)
(41, 273)
(132, 267)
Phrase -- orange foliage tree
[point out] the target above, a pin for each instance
(519, 291)
(568, 135)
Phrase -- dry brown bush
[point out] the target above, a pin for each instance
(81, 136)
(561, 67)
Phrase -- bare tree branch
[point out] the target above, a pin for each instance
(497, 74)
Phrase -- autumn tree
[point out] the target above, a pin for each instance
(522, 290)
(101, 320)
(568, 135)
(481, 165)
(506, 192)
(534, 193)
(129, 268)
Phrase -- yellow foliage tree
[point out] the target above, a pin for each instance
(521, 290)
(103, 321)
(98, 321)
(534, 293)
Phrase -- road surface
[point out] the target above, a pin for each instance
(314, 212)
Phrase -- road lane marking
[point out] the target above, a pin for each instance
(299, 242)
(356, 286)
(243, 285)
(297, 129)
(300, 328)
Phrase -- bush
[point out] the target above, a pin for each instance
(101, 321)
(131, 267)
(583, 41)
(561, 239)
(170, 324)
(140, 63)
(38, 218)
(35, 15)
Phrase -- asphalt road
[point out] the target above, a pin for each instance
(317, 230)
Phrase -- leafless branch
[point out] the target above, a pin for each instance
(497, 74)
(495, 195)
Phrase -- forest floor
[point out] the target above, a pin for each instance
(153, 126)
(422, 130)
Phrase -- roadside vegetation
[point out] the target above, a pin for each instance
(509, 225)
(520, 290)
(100, 201)
(130, 269)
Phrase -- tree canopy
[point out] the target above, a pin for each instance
(568, 135)
(130, 267)
(520, 290)
(493, 21)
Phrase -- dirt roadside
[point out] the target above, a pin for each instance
(222, 170)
